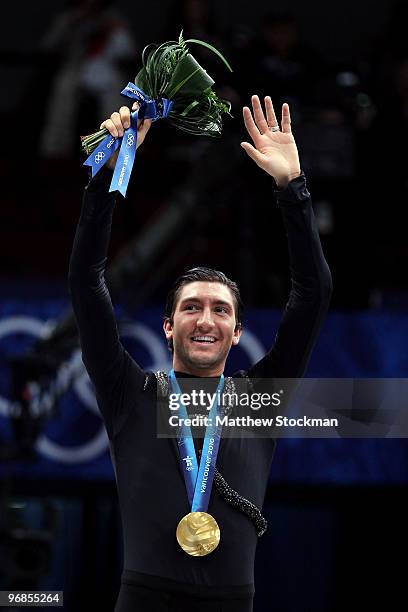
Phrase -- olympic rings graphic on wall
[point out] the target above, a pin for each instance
(159, 360)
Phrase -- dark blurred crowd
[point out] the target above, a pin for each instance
(349, 120)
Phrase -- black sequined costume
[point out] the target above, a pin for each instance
(158, 575)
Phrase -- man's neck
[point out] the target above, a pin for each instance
(182, 374)
(181, 368)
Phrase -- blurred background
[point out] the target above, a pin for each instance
(336, 508)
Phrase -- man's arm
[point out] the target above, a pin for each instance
(310, 291)
(276, 153)
(113, 372)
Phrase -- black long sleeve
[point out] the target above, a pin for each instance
(114, 373)
(310, 292)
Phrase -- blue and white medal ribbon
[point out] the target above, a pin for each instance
(198, 478)
(198, 533)
(148, 109)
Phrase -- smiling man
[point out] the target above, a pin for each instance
(191, 508)
(203, 322)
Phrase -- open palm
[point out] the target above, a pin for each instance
(274, 151)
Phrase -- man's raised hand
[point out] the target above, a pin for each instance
(274, 151)
(116, 125)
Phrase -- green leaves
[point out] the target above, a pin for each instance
(188, 79)
(211, 48)
(170, 71)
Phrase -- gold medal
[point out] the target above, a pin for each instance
(198, 534)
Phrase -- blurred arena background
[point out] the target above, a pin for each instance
(336, 508)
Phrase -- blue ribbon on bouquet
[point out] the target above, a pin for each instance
(148, 109)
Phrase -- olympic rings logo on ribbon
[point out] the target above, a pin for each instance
(99, 157)
(130, 140)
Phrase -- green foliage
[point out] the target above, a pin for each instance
(170, 71)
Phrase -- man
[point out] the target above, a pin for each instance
(202, 322)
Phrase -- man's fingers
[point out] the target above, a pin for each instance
(144, 127)
(286, 127)
(270, 113)
(249, 123)
(147, 124)
(252, 152)
(124, 113)
(117, 122)
(259, 115)
(111, 127)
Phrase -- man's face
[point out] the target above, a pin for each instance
(204, 328)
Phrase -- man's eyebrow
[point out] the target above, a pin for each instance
(218, 302)
(223, 303)
(190, 299)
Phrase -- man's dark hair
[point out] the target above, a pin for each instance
(202, 274)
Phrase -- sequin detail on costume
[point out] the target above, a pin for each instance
(227, 493)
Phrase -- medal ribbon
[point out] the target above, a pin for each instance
(149, 109)
(198, 478)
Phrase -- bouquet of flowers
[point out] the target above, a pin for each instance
(171, 73)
